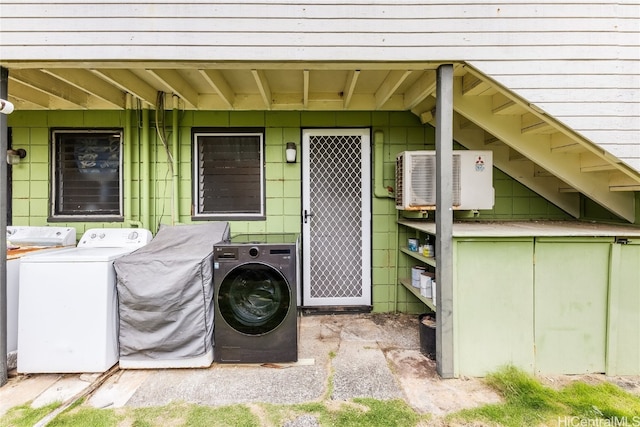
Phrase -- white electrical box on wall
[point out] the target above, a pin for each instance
(472, 180)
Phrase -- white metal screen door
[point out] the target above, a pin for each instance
(336, 217)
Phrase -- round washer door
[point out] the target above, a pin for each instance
(254, 298)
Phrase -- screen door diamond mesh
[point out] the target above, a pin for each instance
(336, 226)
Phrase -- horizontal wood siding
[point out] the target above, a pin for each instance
(578, 60)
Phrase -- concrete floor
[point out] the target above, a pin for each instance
(363, 355)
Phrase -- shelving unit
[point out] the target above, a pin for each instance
(429, 261)
(406, 282)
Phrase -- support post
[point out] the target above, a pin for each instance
(444, 221)
(4, 144)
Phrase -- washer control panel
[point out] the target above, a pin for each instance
(115, 238)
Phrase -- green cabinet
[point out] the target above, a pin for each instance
(547, 297)
(493, 304)
(570, 288)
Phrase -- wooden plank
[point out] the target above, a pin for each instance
(406, 25)
(186, 38)
(317, 10)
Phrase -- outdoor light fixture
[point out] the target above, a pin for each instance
(291, 152)
(14, 156)
(6, 107)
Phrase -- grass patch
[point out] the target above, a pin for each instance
(82, 417)
(25, 415)
(372, 412)
(528, 402)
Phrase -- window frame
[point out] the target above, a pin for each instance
(54, 216)
(227, 132)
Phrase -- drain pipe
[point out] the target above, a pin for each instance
(145, 170)
(379, 190)
(175, 146)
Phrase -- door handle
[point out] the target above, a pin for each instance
(307, 214)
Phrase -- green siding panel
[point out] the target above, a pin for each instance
(571, 280)
(493, 305)
(623, 337)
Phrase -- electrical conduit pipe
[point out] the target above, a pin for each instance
(379, 189)
(128, 160)
(175, 147)
(145, 203)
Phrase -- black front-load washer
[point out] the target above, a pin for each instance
(255, 278)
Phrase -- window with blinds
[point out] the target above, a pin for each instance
(229, 174)
(87, 178)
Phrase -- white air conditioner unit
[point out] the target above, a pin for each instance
(472, 180)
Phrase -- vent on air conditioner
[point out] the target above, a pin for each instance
(472, 184)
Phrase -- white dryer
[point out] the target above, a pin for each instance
(68, 305)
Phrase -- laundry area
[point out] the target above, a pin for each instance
(170, 301)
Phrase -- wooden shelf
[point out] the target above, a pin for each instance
(415, 291)
(427, 260)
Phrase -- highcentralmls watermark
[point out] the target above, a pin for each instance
(599, 422)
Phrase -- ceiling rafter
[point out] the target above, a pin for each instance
(127, 81)
(56, 88)
(86, 81)
(389, 86)
(177, 85)
(217, 81)
(424, 87)
(263, 87)
(305, 88)
(27, 94)
(350, 87)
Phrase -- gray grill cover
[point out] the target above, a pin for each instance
(165, 292)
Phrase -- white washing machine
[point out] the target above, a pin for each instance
(22, 241)
(68, 311)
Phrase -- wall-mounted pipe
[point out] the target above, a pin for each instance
(145, 171)
(175, 147)
(128, 164)
(379, 190)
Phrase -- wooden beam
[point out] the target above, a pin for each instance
(54, 87)
(263, 87)
(86, 81)
(420, 90)
(129, 82)
(389, 86)
(27, 94)
(178, 85)
(472, 85)
(349, 87)
(220, 85)
(504, 105)
(305, 88)
(590, 162)
(619, 181)
(530, 123)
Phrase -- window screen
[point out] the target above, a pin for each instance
(87, 173)
(229, 174)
